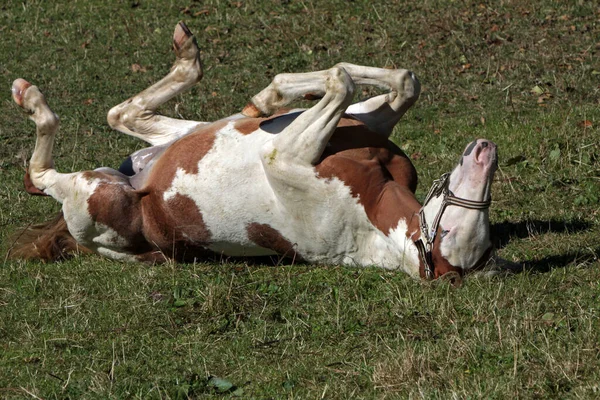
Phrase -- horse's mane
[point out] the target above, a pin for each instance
(48, 241)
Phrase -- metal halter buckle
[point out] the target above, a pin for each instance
(440, 187)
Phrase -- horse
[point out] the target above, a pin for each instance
(322, 185)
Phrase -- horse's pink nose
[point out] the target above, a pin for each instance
(482, 151)
(485, 152)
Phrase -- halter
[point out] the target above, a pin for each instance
(440, 187)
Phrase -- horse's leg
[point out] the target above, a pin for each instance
(380, 113)
(302, 142)
(101, 209)
(137, 116)
(284, 89)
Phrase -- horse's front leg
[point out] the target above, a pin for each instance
(101, 209)
(137, 116)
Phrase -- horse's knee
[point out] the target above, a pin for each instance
(114, 117)
(407, 84)
(124, 115)
(340, 84)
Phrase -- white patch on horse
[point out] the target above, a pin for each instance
(232, 191)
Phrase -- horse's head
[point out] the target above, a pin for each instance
(455, 228)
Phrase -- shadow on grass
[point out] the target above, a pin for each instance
(547, 264)
(504, 232)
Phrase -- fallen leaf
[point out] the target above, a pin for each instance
(555, 154)
(537, 90)
(585, 124)
(548, 317)
(137, 68)
(179, 303)
(545, 96)
(221, 385)
(88, 102)
(464, 68)
(201, 12)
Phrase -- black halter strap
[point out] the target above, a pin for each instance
(428, 233)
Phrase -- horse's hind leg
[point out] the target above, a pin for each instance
(380, 113)
(137, 116)
(101, 209)
(284, 89)
(303, 141)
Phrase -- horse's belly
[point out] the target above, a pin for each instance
(243, 214)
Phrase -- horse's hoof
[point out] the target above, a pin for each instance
(19, 87)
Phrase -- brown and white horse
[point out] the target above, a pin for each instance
(324, 185)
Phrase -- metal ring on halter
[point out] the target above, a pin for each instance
(440, 187)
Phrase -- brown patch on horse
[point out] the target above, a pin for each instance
(251, 111)
(118, 206)
(30, 187)
(48, 241)
(176, 226)
(377, 172)
(247, 126)
(443, 268)
(186, 152)
(268, 237)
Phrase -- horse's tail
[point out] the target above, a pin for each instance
(48, 241)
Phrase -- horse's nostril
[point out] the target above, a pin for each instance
(484, 144)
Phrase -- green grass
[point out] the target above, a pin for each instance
(523, 74)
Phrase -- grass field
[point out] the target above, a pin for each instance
(523, 74)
